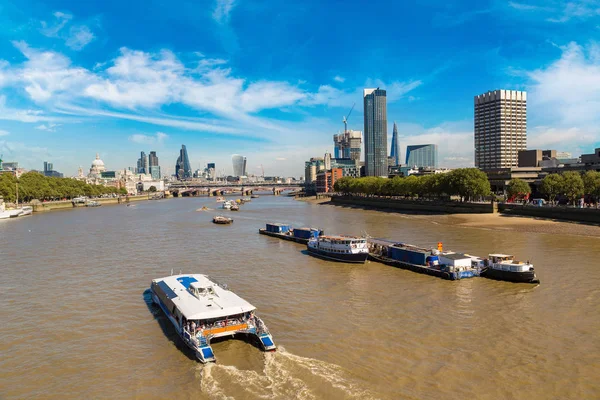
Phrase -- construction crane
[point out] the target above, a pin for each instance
(346, 118)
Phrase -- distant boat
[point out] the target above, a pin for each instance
(92, 203)
(227, 205)
(219, 219)
(26, 210)
(220, 199)
(234, 207)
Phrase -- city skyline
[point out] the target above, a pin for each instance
(72, 71)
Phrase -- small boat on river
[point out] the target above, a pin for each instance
(503, 267)
(93, 203)
(234, 207)
(285, 232)
(201, 309)
(349, 249)
(227, 205)
(219, 219)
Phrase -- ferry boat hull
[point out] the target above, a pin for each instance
(414, 267)
(353, 258)
(510, 276)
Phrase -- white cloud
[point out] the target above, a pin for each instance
(3, 133)
(157, 138)
(339, 79)
(280, 159)
(560, 11)
(79, 37)
(50, 127)
(568, 90)
(222, 10)
(23, 115)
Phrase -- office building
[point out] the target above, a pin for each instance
(326, 179)
(422, 156)
(182, 167)
(348, 166)
(395, 152)
(500, 128)
(211, 171)
(153, 167)
(9, 165)
(49, 170)
(239, 165)
(375, 114)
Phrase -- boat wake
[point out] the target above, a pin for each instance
(285, 376)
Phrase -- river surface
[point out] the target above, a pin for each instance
(77, 321)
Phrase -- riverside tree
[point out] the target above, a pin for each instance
(469, 183)
(518, 188)
(552, 186)
(591, 184)
(572, 186)
(33, 185)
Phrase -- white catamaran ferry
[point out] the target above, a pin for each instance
(348, 249)
(201, 309)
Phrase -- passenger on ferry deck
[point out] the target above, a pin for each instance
(193, 327)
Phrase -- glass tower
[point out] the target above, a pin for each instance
(422, 155)
(239, 165)
(182, 167)
(395, 152)
(375, 112)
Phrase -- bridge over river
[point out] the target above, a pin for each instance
(198, 189)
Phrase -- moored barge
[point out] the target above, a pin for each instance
(446, 265)
(286, 232)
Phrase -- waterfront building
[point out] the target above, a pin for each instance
(182, 167)
(327, 178)
(395, 152)
(327, 161)
(375, 117)
(500, 128)
(563, 155)
(422, 156)
(239, 165)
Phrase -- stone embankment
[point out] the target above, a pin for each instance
(68, 204)
(586, 215)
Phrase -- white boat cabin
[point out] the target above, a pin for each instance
(340, 244)
(506, 262)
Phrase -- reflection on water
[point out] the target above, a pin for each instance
(77, 324)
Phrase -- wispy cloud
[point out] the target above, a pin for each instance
(280, 159)
(222, 10)
(560, 11)
(52, 29)
(339, 79)
(157, 138)
(79, 37)
(50, 127)
(3, 133)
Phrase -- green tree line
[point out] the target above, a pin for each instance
(33, 185)
(467, 183)
(571, 185)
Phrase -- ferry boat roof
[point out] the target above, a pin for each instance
(216, 302)
(455, 256)
(500, 255)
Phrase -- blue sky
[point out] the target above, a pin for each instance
(272, 79)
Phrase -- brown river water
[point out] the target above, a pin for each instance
(77, 321)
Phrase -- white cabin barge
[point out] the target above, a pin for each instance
(201, 309)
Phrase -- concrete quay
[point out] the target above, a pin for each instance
(69, 204)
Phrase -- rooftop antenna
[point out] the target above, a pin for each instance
(345, 120)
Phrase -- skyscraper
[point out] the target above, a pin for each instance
(395, 152)
(375, 132)
(142, 164)
(239, 165)
(212, 171)
(153, 167)
(422, 156)
(182, 167)
(500, 128)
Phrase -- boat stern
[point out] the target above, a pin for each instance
(205, 354)
(266, 340)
